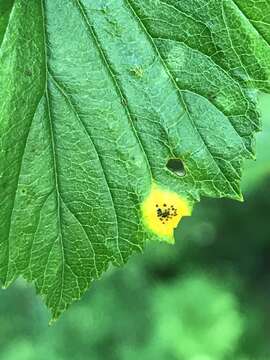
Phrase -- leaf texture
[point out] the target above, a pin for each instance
(95, 98)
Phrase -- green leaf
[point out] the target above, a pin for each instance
(255, 172)
(95, 98)
(5, 9)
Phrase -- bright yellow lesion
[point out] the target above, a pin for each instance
(162, 210)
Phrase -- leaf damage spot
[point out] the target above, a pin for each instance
(162, 210)
(176, 166)
(137, 71)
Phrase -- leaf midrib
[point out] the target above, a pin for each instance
(54, 157)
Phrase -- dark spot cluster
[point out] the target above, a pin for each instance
(166, 212)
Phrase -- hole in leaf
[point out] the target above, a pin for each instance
(176, 166)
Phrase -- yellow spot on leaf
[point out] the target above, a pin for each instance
(162, 210)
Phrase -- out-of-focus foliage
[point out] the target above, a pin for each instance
(206, 298)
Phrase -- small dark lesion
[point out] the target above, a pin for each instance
(166, 212)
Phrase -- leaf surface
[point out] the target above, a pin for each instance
(95, 98)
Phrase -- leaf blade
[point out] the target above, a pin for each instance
(98, 119)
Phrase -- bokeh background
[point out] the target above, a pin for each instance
(206, 298)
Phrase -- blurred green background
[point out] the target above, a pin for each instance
(206, 298)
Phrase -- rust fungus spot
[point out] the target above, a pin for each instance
(162, 210)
